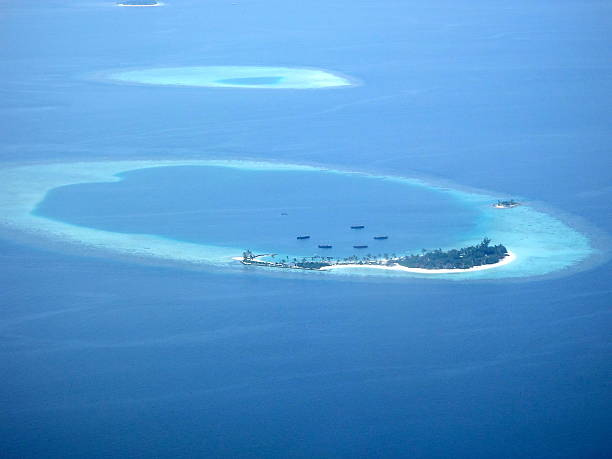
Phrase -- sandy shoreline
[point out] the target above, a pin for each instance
(396, 267)
(506, 260)
(542, 243)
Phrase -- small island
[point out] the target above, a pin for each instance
(139, 3)
(471, 258)
(509, 204)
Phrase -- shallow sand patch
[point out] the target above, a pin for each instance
(246, 77)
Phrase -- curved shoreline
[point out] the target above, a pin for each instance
(219, 76)
(397, 267)
(542, 243)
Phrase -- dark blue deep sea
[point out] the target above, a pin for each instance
(103, 357)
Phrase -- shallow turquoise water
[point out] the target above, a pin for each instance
(210, 211)
(251, 81)
(103, 357)
(251, 77)
(266, 210)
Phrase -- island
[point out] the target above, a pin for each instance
(509, 204)
(471, 258)
(139, 3)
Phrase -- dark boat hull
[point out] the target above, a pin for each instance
(381, 238)
(358, 227)
(303, 237)
(325, 246)
(360, 246)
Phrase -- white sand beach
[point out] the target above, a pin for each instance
(396, 267)
(506, 260)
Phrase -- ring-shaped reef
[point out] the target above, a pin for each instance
(542, 243)
(249, 77)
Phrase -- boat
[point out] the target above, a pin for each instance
(380, 238)
(360, 246)
(303, 237)
(358, 227)
(325, 246)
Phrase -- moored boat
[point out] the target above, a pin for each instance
(358, 227)
(303, 237)
(380, 238)
(325, 246)
(360, 246)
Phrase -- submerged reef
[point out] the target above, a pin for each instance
(537, 243)
(246, 77)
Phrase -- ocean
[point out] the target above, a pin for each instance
(110, 354)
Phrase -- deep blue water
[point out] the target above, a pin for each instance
(102, 358)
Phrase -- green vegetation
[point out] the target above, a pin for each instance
(312, 264)
(467, 257)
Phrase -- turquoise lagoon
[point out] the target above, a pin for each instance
(206, 212)
(251, 77)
